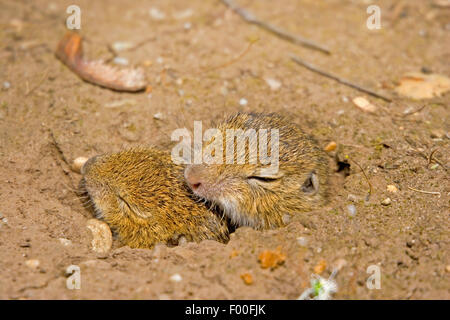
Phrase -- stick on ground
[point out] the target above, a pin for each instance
(427, 192)
(250, 18)
(338, 79)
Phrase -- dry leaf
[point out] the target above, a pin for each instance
(418, 85)
(247, 277)
(320, 267)
(70, 52)
(364, 104)
(271, 259)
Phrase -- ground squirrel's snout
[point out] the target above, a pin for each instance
(194, 177)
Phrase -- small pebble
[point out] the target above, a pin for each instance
(121, 61)
(32, 263)
(386, 202)
(352, 198)
(182, 241)
(187, 26)
(364, 104)
(447, 268)
(243, 102)
(158, 116)
(391, 188)
(101, 236)
(302, 241)
(6, 85)
(351, 210)
(65, 242)
(78, 164)
(273, 84)
(345, 99)
(157, 14)
(176, 278)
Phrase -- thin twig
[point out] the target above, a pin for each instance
(37, 85)
(364, 173)
(430, 159)
(338, 79)
(427, 192)
(226, 64)
(131, 48)
(63, 158)
(250, 18)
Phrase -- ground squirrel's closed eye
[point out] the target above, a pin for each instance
(264, 179)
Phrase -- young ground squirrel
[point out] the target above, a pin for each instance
(143, 197)
(251, 196)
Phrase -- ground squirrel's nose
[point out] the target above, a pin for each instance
(193, 177)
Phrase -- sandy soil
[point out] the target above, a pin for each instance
(408, 239)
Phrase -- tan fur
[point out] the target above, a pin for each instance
(248, 199)
(142, 195)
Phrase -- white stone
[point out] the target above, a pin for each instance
(176, 278)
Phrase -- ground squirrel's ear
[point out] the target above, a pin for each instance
(311, 184)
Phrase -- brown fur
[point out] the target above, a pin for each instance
(141, 194)
(260, 202)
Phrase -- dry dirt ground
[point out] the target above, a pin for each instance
(190, 60)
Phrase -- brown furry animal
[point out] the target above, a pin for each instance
(142, 196)
(251, 196)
